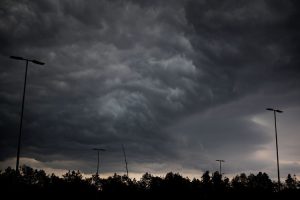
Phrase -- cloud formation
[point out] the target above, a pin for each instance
(178, 82)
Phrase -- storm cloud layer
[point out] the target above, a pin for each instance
(179, 83)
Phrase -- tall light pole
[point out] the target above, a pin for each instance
(98, 152)
(125, 159)
(276, 111)
(23, 100)
(220, 161)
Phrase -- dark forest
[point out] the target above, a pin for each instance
(34, 183)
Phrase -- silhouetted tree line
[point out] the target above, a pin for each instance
(32, 183)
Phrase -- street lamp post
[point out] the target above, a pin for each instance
(98, 152)
(23, 100)
(220, 161)
(276, 111)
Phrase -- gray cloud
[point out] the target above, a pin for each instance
(177, 82)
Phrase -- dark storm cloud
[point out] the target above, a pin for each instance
(94, 90)
(246, 44)
(155, 76)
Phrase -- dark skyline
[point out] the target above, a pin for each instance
(179, 83)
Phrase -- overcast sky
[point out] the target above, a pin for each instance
(179, 83)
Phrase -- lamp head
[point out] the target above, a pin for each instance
(17, 58)
(37, 62)
(98, 149)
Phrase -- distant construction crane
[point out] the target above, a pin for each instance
(125, 159)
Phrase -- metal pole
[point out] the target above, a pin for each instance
(220, 161)
(97, 174)
(23, 102)
(275, 123)
(278, 174)
(98, 158)
(21, 121)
